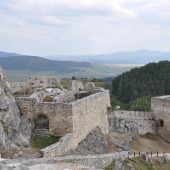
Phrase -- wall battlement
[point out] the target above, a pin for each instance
(144, 122)
(134, 115)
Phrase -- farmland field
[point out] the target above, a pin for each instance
(97, 71)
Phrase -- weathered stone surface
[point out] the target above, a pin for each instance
(75, 86)
(89, 86)
(11, 134)
(166, 158)
(122, 141)
(94, 143)
(120, 165)
(92, 161)
(121, 155)
(37, 165)
(2, 137)
(66, 97)
(135, 122)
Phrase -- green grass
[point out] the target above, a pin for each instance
(140, 164)
(110, 167)
(48, 99)
(42, 142)
(154, 164)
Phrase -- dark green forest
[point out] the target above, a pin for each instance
(134, 89)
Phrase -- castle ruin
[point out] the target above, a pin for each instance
(82, 110)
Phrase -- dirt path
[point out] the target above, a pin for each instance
(148, 143)
(31, 152)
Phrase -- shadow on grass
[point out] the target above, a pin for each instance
(42, 142)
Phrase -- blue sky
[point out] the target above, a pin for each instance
(52, 27)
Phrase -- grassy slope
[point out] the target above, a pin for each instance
(42, 142)
(140, 164)
(154, 164)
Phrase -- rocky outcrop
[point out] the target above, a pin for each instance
(40, 164)
(94, 143)
(122, 125)
(122, 131)
(14, 131)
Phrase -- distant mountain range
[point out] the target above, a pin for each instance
(12, 61)
(5, 54)
(83, 64)
(124, 57)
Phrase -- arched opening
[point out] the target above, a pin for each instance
(160, 123)
(41, 122)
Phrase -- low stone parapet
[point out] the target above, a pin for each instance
(59, 148)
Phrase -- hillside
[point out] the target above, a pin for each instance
(138, 85)
(34, 63)
(19, 67)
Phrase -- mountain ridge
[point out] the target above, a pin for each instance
(34, 63)
(123, 57)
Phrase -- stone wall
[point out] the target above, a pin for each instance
(34, 82)
(143, 121)
(18, 87)
(58, 114)
(161, 109)
(88, 113)
(42, 81)
(97, 162)
(59, 148)
(75, 86)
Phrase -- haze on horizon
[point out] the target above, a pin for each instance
(71, 27)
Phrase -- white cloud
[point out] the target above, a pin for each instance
(83, 26)
(62, 7)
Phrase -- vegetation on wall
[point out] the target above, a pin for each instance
(48, 99)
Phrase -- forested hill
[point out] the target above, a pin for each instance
(142, 83)
(40, 64)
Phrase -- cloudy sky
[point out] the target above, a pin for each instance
(52, 27)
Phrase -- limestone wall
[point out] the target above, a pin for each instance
(59, 114)
(42, 81)
(134, 115)
(88, 113)
(161, 108)
(18, 87)
(59, 148)
(143, 121)
(34, 82)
